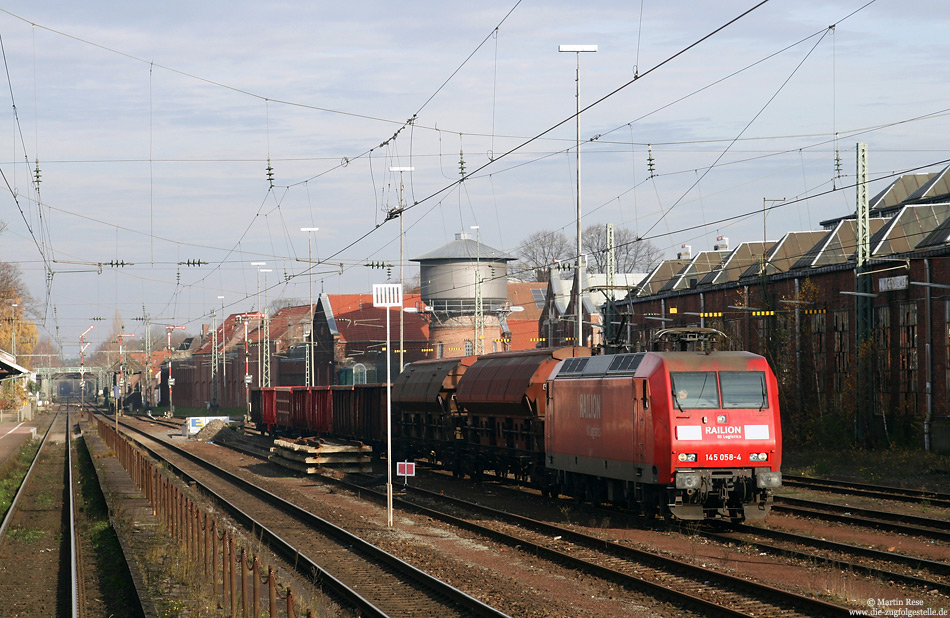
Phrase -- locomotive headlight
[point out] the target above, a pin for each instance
(721, 419)
(758, 456)
(684, 457)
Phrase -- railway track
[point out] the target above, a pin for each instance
(702, 590)
(706, 589)
(39, 530)
(912, 570)
(355, 572)
(925, 575)
(899, 494)
(898, 523)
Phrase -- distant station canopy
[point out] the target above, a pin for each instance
(9, 368)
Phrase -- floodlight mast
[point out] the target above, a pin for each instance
(578, 298)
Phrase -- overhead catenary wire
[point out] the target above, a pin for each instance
(416, 154)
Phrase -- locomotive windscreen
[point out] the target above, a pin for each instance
(745, 389)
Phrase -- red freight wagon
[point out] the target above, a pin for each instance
(267, 407)
(300, 406)
(320, 419)
(502, 400)
(283, 407)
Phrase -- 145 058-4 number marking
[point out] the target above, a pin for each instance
(722, 457)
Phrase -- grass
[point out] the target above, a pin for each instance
(12, 473)
(26, 535)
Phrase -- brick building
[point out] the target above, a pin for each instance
(870, 365)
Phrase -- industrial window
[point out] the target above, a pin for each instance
(947, 347)
(359, 373)
(734, 330)
(695, 389)
(743, 389)
(815, 355)
(440, 350)
(469, 348)
(908, 356)
(882, 356)
(842, 351)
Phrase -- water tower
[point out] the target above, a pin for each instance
(454, 278)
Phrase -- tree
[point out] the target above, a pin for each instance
(17, 332)
(541, 249)
(632, 254)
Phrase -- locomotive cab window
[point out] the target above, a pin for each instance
(695, 389)
(744, 389)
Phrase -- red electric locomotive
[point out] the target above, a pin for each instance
(694, 435)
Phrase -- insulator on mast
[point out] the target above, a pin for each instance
(270, 173)
(650, 166)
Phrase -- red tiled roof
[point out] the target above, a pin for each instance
(358, 320)
(520, 295)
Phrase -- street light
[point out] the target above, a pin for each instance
(402, 343)
(309, 355)
(577, 50)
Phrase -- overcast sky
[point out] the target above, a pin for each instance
(153, 127)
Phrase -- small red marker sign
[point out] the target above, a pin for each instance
(405, 468)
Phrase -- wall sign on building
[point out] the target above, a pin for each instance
(892, 284)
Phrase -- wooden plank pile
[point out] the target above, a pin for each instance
(319, 455)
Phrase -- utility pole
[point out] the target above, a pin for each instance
(214, 359)
(864, 303)
(402, 339)
(308, 380)
(223, 391)
(171, 379)
(148, 358)
(121, 389)
(82, 371)
(479, 306)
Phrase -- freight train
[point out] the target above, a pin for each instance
(693, 435)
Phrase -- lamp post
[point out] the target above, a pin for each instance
(577, 50)
(402, 343)
(309, 354)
